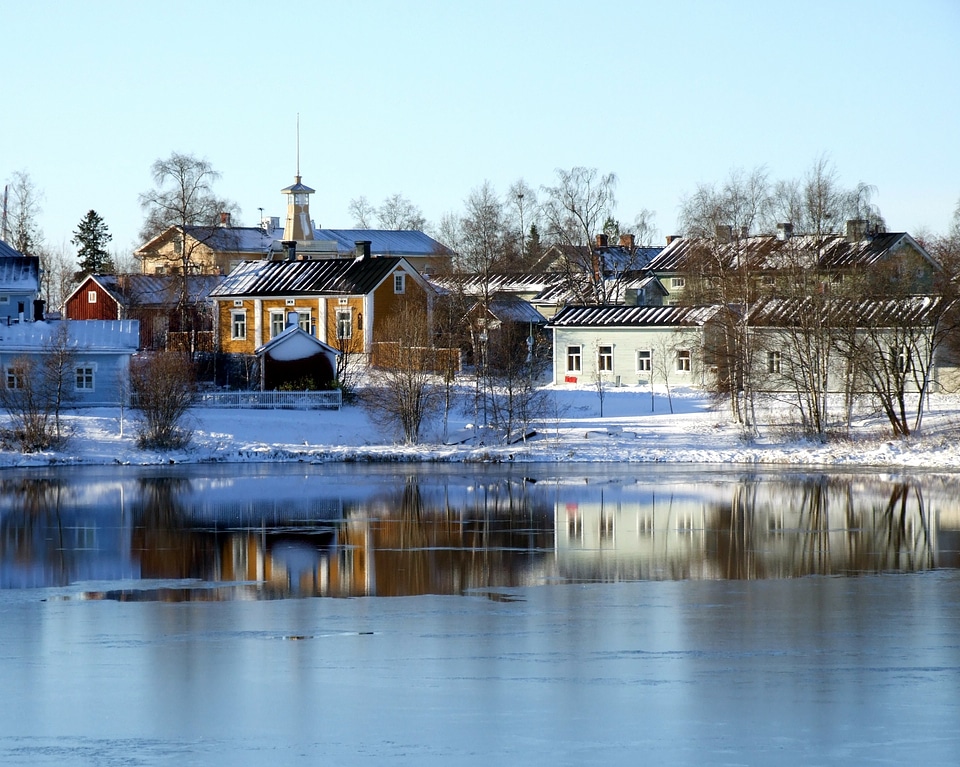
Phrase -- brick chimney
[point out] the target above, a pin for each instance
(601, 240)
(627, 241)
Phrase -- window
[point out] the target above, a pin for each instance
(644, 360)
(91, 296)
(277, 323)
(678, 282)
(605, 359)
(15, 378)
(768, 281)
(344, 324)
(4, 299)
(84, 378)
(304, 321)
(399, 283)
(683, 361)
(773, 361)
(238, 325)
(159, 270)
(359, 321)
(573, 359)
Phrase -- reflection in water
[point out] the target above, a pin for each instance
(269, 533)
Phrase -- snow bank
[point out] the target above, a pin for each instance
(635, 427)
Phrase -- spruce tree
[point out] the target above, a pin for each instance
(91, 239)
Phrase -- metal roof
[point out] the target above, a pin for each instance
(8, 251)
(633, 316)
(510, 308)
(914, 311)
(156, 289)
(385, 242)
(331, 276)
(768, 252)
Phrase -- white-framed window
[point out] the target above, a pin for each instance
(4, 300)
(344, 324)
(774, 361)
(238, 325)
(399, 283)
(678, 282)
(84, 377)
(768, 281)
(159, 270)
(574, 359)
(605, 359)
(91, 296)
(644, 360)
(305, 320)
(683, 360)
(14, 377)
(278, 321)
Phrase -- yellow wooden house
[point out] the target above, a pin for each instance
(345, 302)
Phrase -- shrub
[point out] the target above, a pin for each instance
(162, 386)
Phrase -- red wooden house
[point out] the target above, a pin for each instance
(155, 300)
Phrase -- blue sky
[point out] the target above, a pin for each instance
(430, 99)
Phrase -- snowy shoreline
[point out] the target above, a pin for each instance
(636, 428)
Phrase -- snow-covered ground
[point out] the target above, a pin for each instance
(634, 427)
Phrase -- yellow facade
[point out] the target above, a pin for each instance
(342, 322)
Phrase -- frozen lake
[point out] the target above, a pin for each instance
(615, 616)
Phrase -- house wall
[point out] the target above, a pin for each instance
(387, 302)
(166, 260)
(663, 343)
(80, 306)
(110, 374)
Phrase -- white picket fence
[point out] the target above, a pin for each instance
(270, 400)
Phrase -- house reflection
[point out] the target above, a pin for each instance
(263, 535)
(752, 528)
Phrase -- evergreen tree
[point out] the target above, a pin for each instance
(91, 238)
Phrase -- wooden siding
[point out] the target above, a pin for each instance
(79, 307)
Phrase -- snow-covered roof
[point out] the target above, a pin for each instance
(20, 274)
(298, 340)
(82, 335)
(331, 276)
(155, 289)
(632, 316)
(768, 252)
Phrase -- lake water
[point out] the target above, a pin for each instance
(475, 615)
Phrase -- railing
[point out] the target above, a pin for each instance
(267, 400)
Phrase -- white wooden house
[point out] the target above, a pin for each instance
(100, 350)
(632, 344)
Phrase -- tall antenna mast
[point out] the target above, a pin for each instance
(298, 146)
(4, 234)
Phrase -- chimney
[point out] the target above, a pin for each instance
(723, 232)
(784, 231)
(856, 230)
(290, 248)
(362, 250)
(744, 232)
(672, 237)
(293, 319)
(627, 241)
(224, 218)
(601, 240)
